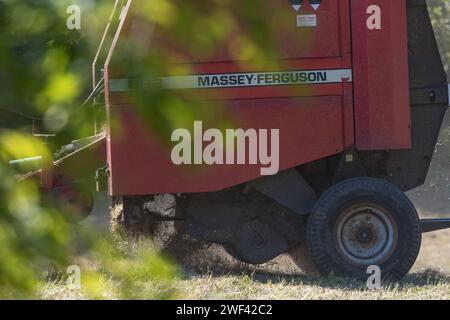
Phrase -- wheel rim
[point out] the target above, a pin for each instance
(366, 235)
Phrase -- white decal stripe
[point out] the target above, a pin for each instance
(237, 80)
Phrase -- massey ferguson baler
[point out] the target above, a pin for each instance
(355, 95)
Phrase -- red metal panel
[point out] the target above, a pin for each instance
(315, 120)
(380, 59)
(347, 88)
(281, 17)
(140, 163)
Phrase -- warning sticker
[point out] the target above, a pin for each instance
(315, 4)
(235, 80)
(307, 20)
(298, 4)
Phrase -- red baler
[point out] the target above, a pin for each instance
(358, 105)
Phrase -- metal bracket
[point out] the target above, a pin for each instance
(289, 189)
(101, 178)
(429, 95)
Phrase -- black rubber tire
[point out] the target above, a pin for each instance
(323, 221)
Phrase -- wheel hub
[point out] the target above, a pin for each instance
(366, 235)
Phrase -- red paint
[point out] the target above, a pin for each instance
(315, 121)
(141, 162)
(380, 67)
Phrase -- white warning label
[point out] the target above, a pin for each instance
(307, 20)
(236, 80)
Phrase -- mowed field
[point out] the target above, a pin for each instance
(429, 279)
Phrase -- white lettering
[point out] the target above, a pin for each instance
(243, 147)
(374, 20)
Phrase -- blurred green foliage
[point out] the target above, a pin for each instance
(45, 74)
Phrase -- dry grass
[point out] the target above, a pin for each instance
(424, 285)
(429, 279)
